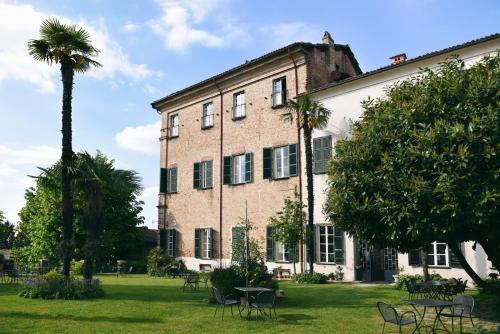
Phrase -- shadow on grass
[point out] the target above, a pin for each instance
(34, 316)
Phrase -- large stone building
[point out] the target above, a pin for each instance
(224, 144)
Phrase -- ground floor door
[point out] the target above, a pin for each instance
(374, 265)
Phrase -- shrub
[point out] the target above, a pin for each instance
(308, 278)
(53, 285)
(76, 267)
(159, 263)
(402, 279)
(225, 279)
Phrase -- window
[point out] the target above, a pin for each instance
(173, 126)
(276, 251)
(238, 169)
(322, 151)
(202, 175)
(437, 254)
(207, 120)
(280, 162)
(168, 241)
(168, 180)
(331, 244)
(279, 92)
(203, 243)
(239, 105)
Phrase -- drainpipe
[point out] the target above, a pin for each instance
(299, 160)
(221, 169)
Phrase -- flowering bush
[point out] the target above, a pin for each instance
(53, 285)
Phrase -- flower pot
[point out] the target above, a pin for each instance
(243, 300)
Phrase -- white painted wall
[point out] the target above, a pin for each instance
(345, 102)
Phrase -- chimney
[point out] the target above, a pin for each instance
(400, 58)
(327, 38)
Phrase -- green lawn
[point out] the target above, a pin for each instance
(140, 304)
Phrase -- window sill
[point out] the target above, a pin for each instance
(319, 173)
(208, 188)
(208, 127)
(330, 263)
(173, 137)
(440, 267)
(239, 118)
(238, 184)
(171, 193)
(279, 106)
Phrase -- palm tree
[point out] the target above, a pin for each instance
(308, 115)
(72, 49)
(96, 177)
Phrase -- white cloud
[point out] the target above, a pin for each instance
(20, 23)
(15, 166)
(131, 27)
(142, 138)
(177, 25)
(285, 33)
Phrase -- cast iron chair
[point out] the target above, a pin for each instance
(463, 310)
(390, 315)
(264, 300)
(224, 301)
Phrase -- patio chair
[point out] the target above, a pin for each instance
(223, 301)
(191, 281)
(413, 289)
(264, 300)
(461, 311)
(390, 315)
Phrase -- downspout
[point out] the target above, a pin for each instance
(221, 162)
(299, 160)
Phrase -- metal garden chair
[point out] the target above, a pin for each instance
(223, 301)
(192, 282)
(264, 300)
(390, 315)
(462, 310)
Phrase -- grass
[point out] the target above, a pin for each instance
(140, 304)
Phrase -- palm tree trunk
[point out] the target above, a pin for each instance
(310, 196)
(88, 266)
(67, 73)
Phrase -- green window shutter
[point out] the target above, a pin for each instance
(454, 262)
(248, 167)
(339, 243)
(295, 253)
(173, 246)
(238, 237)
(327, 149)
(414, 258)
(227, 170)
(197, 243)
(267, 154)
(269, 243)
(210, 169)
(283, 90)
(163, 180)
(163, 239)
(196, 175)
(292, 159)
(210, 241)
(318, 155)
(172, 180)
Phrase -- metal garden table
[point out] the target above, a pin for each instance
(438, 305)
(250, 289)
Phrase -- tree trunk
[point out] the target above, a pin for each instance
(67, 73)
(465, 265)
(310, 196)
(425, 265)
(88, 266)
(492, 250)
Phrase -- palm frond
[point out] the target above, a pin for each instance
(40, 50)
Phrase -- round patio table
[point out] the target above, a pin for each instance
(247, 290)
(438, 305)
(432, 289)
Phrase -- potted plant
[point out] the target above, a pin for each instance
(339, 274)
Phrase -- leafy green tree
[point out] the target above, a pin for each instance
(96, 177)
(288, 224)
(422, 164)
(70, 47)
(39, 230)
(7, 234)
(308, 115)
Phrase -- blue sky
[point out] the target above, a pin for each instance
(151, 48)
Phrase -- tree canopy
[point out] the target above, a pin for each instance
(422, 163)
(7, 234)
(40, 218)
